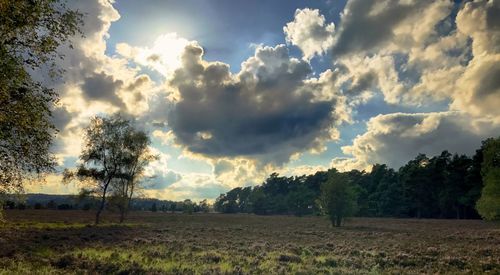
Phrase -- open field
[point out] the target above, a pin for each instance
(62, 242)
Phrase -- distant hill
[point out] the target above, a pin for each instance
(38, 200)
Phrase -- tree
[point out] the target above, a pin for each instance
(417, 186)
(173, 207)
(300, 200)
(338, 197)
(106, 155)
(488, 204)
(153, 207)
(136, 155)
(52, 204)
(204, 206)
(30, 33)
(188, 206)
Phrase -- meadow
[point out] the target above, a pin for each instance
(65, 242)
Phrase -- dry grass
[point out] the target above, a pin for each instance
(62, 242)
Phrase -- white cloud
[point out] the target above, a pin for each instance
(164, 56)
(309, 32)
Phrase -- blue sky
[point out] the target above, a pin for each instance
(231, 91)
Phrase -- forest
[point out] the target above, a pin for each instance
(442, 186)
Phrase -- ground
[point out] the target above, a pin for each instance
(63, 242)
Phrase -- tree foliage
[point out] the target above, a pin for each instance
(114, 157)
(135, 157)
(489, 202)
(30, 33)
(338, 197)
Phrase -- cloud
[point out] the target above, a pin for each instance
(99, 86)
(162, 180)
(194, 186)
(479, 88)
(415, 52)
(51, 184)
(164, 56)
(267, 111)
(373, 26)
(481, 21)
(61, 117)
(93, 83)
(309, 32)
(396, 138)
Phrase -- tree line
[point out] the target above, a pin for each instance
(443, 186)
(75, 202)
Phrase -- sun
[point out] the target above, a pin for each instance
(164, 56)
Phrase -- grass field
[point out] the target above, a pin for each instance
(62, 242)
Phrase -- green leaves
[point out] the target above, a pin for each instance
(30, 33)
(338, 197)
(488, 205)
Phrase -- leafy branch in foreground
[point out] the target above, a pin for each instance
(30, 34)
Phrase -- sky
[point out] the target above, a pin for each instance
(231, 91)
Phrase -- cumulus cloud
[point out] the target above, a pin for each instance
(479, 88)
(481, 21)
(368, 26)
(415, 52)
(396, 138)
(264, 112)
(309, 32)
(93, 82)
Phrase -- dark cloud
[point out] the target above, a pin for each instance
(61, 117)
(369, 24)
(265, 111)
(102, 87)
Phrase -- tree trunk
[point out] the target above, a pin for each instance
(122, 215)
(338, 221)
(103, 202)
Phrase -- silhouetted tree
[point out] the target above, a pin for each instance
(105, 155)
(135, 156)
(204, 207)
(416, 182)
